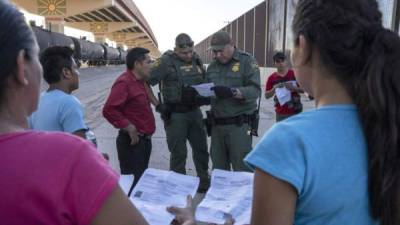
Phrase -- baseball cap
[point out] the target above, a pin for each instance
(183, 41)
(219, 40)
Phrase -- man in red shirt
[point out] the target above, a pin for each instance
(284, 78)
(128, 109)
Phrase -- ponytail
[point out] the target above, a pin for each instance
(376, 93)
(365, 58)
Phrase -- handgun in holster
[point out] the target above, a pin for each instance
(209, 122)
(165, 116)
(255, 119)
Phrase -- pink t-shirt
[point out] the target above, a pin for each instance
(51, 178)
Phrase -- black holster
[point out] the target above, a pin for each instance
(209, 122)
(255, 120)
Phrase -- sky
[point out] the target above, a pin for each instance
(198, 18)
(168, 18)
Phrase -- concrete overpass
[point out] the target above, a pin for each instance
(117, 20)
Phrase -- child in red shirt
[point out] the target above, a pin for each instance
(284, 78)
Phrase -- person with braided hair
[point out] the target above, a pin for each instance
(337, 164)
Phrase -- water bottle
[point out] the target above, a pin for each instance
(91, 137)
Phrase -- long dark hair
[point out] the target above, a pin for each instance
(15, 35)
(365, 57)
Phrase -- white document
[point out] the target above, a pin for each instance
(125, 182)
(230, 194)
(283, 95)
(158, 189)
(204, 89)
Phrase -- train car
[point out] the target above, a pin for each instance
(62, 40)
(46, 38)
(94, 54)
(123, 54)
(111, 55)
(86, 51)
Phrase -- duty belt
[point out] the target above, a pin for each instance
(238, 120)
(182, 108)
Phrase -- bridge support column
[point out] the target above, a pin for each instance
(100, 38)
(55, 24)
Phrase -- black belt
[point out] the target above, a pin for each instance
(182, 108)
(238, 120)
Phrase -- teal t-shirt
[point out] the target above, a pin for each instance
(58, 111)
(322, 153)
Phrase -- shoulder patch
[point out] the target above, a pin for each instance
(244, 53)
(254, 64)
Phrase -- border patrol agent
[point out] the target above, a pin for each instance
(236, 77)
(176, 71)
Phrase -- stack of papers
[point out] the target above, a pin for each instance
(230, 195)
(204, 89)
(159, 189)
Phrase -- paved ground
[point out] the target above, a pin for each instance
(94, 88)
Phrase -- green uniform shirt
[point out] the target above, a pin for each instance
(241, 72)
(173, 74)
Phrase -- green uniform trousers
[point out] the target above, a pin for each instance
(229, 145)
(188, 126)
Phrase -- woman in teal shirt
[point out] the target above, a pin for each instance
(339, 163)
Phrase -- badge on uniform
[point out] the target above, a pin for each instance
(186, 68)
(236, 67)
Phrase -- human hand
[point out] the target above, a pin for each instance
(290, 86)
(188, 95)
(184, 216)
(133, 134)
(200, 100)
(279, 85)
(163, 108)
(165, 112)
(222, 91)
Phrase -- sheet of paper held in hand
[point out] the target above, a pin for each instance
(158, 189)
(283, 94)
(204, 89)
(230, 194)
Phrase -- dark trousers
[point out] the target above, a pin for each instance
(133, 159)
(280, 117)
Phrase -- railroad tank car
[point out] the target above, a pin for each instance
(123, 54)
(86, 51)
(111, 55)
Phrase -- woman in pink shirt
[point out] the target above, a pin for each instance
(47, 178)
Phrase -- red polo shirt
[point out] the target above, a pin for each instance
(129, 103)
(274, 79)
